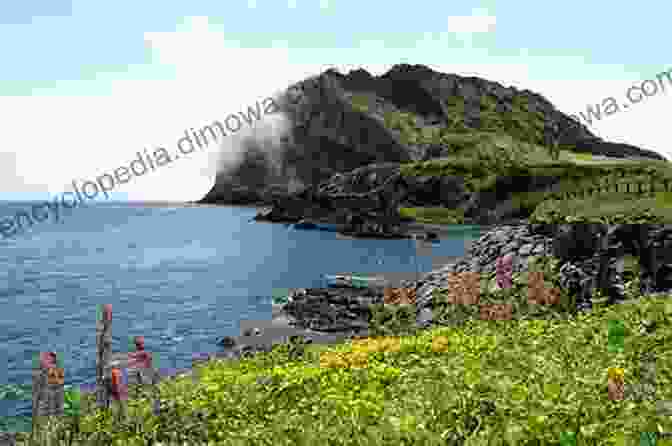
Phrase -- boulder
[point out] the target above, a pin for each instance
(345, 310)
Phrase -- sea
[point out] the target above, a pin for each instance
(182, 276)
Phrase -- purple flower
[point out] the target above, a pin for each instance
(504, 271)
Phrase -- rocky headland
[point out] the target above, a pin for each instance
(381, 156)
(361, 148)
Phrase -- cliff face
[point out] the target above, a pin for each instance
(342, 122)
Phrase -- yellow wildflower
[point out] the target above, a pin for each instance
(616, 374)
(440, 343)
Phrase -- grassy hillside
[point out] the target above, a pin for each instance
(599, 190)
(520, 123)
(523, 381)
(512, 144)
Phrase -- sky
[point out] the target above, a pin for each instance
(86, 85)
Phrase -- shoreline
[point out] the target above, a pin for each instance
(279, 327)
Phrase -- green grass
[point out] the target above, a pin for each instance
(519, 123)
(489, 156)
(360, 102)
(436, 215)
(606, 208)
(523, 381)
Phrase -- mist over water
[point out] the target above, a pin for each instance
(266, 138)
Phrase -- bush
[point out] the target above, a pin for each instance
(360, 103)
(434, 215)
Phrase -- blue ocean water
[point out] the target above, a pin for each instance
(182, 277)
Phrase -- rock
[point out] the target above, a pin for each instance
(524, 240)
(424, 318)
(252, 332)
(576, 240)
(327, 135)
(305, 224)
(446, 191)
(227, 341)
(343, 310)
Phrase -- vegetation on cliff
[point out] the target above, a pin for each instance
(587, 190)
(343, 122)
(511, 143)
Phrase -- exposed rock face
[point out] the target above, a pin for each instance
(328, 135)
(370, 212)
(373, 193)
(446, 191)
(523, 241)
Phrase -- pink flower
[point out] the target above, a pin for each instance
(107, 312)
(504, 271)
(140, 360)
(47, 360)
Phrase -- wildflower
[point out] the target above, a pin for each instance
(357, 359)
(615, 383)
(390, 344)
(616, 373)
(332, 360)
(463, 288)
(496, 312)
(47, 360)
(118, 389)
(538, 293)
(504, 270)
(440, 344)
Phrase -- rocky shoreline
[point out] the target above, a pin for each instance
(343, 313)
(334, 315)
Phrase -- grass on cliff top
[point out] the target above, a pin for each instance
(606, 208)
(489, 160)
(434, 215)
(576, 173)
(516, 382)
(509, 142)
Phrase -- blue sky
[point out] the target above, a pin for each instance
(85, 85)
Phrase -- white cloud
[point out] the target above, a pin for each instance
(324, 4)
(291, 4)
(58, 139)
(478, 22)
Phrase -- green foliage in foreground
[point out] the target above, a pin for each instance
(524, 381)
